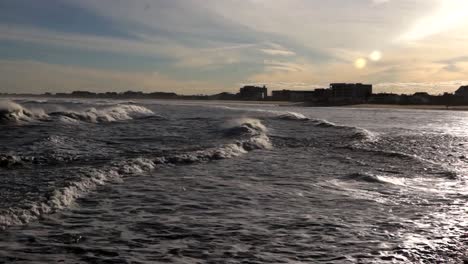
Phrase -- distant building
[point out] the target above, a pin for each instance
(162, 95)
(83, 94)
(384, 98)
(420, 98)
(223, 96)
(253, 93)
(302, 96)
(462, 92)
(353, 91)
(281, 95)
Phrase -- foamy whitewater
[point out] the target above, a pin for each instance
(103, 181)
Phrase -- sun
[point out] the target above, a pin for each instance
(375, 55)
(360, 63)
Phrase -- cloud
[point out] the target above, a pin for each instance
(448, 15)
(275, 49)
(378, 2)
(144, 45)
(147, 47)
(276, 52)
(230, 41)
(277, 66)
(455, 64)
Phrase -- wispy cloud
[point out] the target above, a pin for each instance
(230, 41)
(448, 15)
(277, 52)
(378, 2)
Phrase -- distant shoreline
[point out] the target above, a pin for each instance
(415, 107)
(273, 103)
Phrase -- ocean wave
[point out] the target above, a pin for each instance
(293, 116)
(14, 161)
(92, 179)
(53, 149)
(10, 161)
(364, 135)
(252, 134)
(13, 112)
(108, 114)
(371, 178)
(245, 126)
(325, 123)
(66, 196)
(273, 114)
(363, 177)
(358, 134)
(34, 101)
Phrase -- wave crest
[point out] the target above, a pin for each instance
(245, 127)
(92, 179)
(13, 112)
(108, 114)
(293, 116)
(363, 177)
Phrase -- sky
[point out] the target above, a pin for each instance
(211, 46)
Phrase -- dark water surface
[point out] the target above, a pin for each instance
(178, 182)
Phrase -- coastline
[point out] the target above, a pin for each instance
(254, 102)
(409, 107)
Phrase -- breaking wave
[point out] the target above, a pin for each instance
(371, 178)
(325, 123)
(364, 135)
(9, 161)
(92, 179)
(13, 112)
(244, 126)
(293, 116)
(108, 114)
(359, 134)
(363, 177)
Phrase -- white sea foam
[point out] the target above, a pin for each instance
(245, 126)
(293, 116)
(253, 136)
(64, 197)
(90, 180)
(107, 114)
(13, 112)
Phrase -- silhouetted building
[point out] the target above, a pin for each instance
(384, 98)
(83, 94)
(351, 91)
(462, 91)
(281, 95)
(253, 93)
(223, 96)
(162, 95)
(302, 96)
(420, 98)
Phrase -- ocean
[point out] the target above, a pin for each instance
(146, 181)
